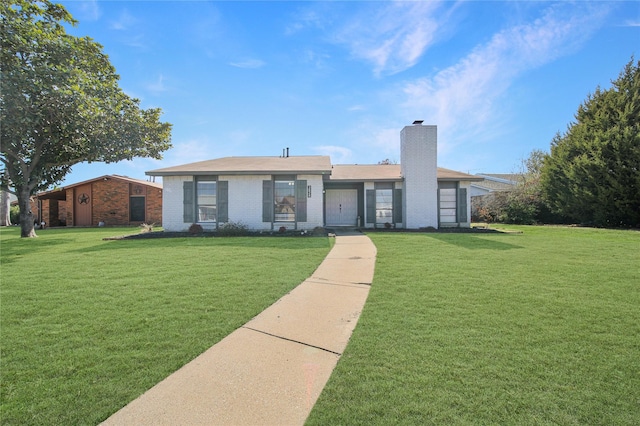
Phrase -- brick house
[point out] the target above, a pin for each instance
(106, 200)
(303, 192)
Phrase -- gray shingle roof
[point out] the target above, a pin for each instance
(312, 164)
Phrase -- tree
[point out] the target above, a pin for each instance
(5, 209)
(524, 204)
(60, 105)
(593, 172)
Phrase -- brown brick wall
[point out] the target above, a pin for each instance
(154, 206)
(70, 208)
(110, 202)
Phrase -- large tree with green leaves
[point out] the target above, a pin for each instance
(61, 104)
(592, 174)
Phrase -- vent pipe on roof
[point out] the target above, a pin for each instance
(282, 153)
(287, 152)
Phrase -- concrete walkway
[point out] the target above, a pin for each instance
(270, 371)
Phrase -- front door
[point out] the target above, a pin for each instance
(82, 206)
(341, 207)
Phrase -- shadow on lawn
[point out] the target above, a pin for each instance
(28, 246)
(177, 243)
(473, 242)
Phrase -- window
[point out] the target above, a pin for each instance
(384, 206)
(285, 200)
(448, 205)
(206, 201)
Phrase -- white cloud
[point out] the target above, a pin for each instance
(89, 11)
(190, 151)
(392, 37)
(465, 97)
(158, 85)
(338, 154)
(248, 64)
(124, 22)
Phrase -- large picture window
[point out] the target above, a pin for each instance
(285, 200)
(384, 206)
(206, 201)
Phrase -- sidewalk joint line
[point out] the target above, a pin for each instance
(294, 341)
(337, 283)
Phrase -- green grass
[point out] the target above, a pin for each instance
(536, 328)
(88, 325)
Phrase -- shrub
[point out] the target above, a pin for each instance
(195, 229)
(233, 229)
(14, 214)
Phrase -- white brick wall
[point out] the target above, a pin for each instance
(315, 207)
(245, 202)
(418, 159)
(172, 203)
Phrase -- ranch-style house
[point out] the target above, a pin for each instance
(304, 192)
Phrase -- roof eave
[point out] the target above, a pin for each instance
(237, 173)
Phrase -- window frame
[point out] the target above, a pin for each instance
(290, 198)
(197, 200)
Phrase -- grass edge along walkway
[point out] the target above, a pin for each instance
(88, 325)
(537, 328)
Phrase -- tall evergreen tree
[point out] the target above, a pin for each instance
(593, 172)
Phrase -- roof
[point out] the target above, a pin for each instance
(512, 178)
(498, 181)
(448, 174)
(389, 172)
(356, 172)
(60, 193)
(311, 164)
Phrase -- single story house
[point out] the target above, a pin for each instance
(493, 182)
(304, 192)
(105, 200)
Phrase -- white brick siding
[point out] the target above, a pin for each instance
(245, 202)
(418, 159)
(172, 208)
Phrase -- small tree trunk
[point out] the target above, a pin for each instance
(5, 209)
(27, 229)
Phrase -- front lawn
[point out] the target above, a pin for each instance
(536, 328)
(88, 325)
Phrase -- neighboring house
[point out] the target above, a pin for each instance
(304, 192)
(106, 200)
(493, 182)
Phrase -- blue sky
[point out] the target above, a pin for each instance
(239, 78)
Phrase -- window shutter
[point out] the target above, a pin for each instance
(301, 201)
(462, 205)
(371, 206)
(187, 202)
(223, 201)
(267, 201)
(397, 206)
